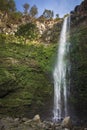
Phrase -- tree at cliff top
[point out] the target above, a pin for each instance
(57, 15)
(26, 8)
(7, 5)
(48, 14)
(33, 11)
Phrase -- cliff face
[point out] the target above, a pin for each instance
(79, 15)
(82, 8)
(49, 30)
(78, 58)
(26, 87)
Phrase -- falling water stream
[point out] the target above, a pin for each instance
(59, 74)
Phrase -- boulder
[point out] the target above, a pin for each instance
(37, 119)
(67, 123)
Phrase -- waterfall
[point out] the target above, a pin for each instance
(60, 72)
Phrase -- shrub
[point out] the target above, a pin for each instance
(28, 31)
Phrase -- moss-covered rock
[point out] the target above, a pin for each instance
(26, 86)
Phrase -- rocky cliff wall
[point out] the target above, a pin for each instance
(78, 58)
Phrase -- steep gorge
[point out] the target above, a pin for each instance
(26, 85)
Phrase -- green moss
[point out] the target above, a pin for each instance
(25, 76)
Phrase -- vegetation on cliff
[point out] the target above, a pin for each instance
(26, 84)
(25, 77)
(78, 54)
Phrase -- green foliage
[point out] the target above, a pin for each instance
(2, 38)
(7, 5)
(15, 17)
(11, 5)
(33, 11)
(48, 14)
(24, 76)
(45, 57)
(28, 31)
(57, 15)
(42, 19)
(26, 8)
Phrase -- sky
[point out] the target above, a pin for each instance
(60, 7)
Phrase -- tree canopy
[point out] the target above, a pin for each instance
(7, 5)
(28, 31)
(48, 14)
(33, 11)
(26, 8)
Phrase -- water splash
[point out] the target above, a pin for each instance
(59, 74)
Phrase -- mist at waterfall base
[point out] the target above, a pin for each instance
(61, 74)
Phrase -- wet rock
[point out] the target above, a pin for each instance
(67, 123)
(27, 124)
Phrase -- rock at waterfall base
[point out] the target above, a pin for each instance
(37, 119)
(67, 123)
